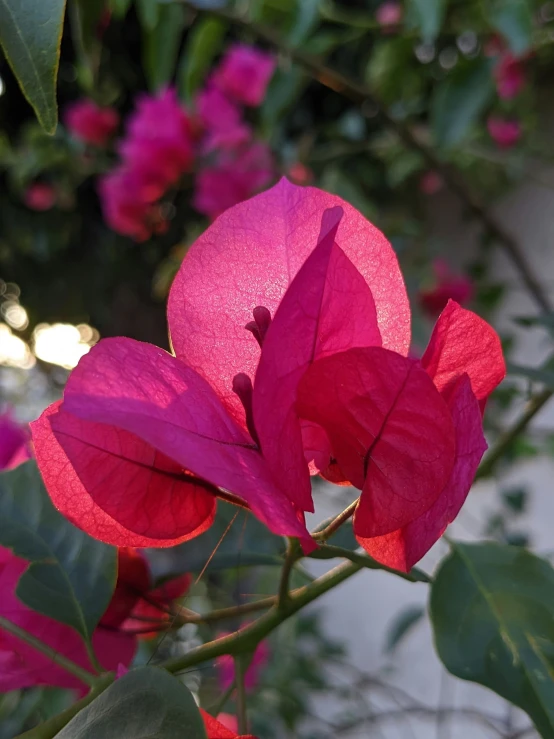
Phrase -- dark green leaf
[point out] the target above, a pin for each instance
(120, 7)
(203, 44)
(161, 45)
(402, 625)
(72, 577)
(491, 610)
(513, 19)
(90, 16)
(147, 11)
(285, 87)
(544, 375)
(515, 499)
(30, 34)
(427, 16)
(147, 703)
(459, 101)
(305, 20)
(545, 320)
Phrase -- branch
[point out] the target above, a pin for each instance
(365, 99)
(326, 551)
(84, 675)
(336, 523)
(508, 437)
(291, 557)
(54, 725)
(248, 638)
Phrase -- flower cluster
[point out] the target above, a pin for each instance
(164, 140)
(291, 329)
(135, 608)
(90, 123)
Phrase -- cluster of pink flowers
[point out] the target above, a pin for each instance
(90, 123)
(389, 14)
(510, 79)
(164, 140)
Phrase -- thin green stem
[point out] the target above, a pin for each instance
(248, 638)
(326, 551)
(240, 680)
(510, 435)
(49, 729)
(84, 675)
(292, 555)
(336, 523)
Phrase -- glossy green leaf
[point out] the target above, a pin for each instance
(427, 16)
(72, 577)
(513, 19)
(30, 35)
(161, 45)
(203, 44)
(147, 703)
(491, 610)
(402, 625)
(459, 101)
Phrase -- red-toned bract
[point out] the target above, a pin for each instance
(290, 325)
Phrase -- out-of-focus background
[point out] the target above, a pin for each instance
(439, 129)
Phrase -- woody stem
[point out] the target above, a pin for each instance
(292, 555)
(336, 523)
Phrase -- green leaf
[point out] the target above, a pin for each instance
(147, 11)
(427, 16)
(203, 44)
(459, 101)
(147, 703)
(305, 20)
(402, 625)
(30, 35)
(72, 577)
(161, 45)
(514, 20)
(491, 610)
(120, 7)
(90, 15)
(544, 374)
(515, 499)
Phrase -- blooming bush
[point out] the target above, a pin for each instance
(158, 546)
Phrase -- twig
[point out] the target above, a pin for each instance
(50, 728)
(508, 437)
(336, 523)
(291, 557)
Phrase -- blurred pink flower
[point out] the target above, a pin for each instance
(509, 74)
(14, 442)
(129, 205)
(300, 174)
(228, 721)
(233, 179)
(90, 123)
(388, 14)
(226, 668)
(159, 143)
(221, 121)
(39, 196)
(244, 73)
(448, 286)
(505, 132)
(430, 182)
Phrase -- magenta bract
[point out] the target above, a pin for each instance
(290, 326)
